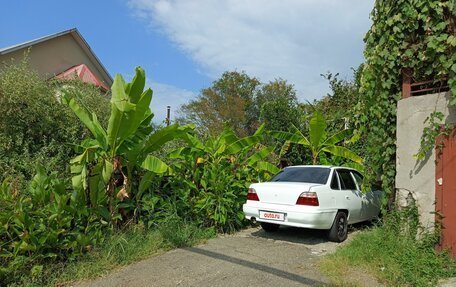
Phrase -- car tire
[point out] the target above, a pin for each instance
(269, 227)
(339, 228)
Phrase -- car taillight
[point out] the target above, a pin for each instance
(308, 198)
(252, 195)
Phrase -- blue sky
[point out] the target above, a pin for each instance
(185, 45)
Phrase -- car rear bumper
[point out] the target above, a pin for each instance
(297, 216)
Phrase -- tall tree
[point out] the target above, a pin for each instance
(224, 103)
(277, 105)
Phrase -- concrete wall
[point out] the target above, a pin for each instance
(416, 179)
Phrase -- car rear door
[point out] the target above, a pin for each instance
(352, 197)
(370, 206)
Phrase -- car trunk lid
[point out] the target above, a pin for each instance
(281, 192)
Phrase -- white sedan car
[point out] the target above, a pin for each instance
(318, 197)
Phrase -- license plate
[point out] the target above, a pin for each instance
(272, 215)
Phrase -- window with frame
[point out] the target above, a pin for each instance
(346, 180)
(358, 178)
(335, 181)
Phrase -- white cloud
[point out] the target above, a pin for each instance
(293, 39)
(166, 95)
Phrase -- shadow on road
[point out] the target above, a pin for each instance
(256, 266)
(295, 235)
(303, 235)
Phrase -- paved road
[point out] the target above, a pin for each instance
(248, 258)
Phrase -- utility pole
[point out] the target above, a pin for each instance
(168, 115)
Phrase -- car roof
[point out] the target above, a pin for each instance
(322, 166)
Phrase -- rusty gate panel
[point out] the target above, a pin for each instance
(445, 191)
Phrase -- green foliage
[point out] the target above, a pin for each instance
(118, 249)
(339, 110)
(114, 174)
(417, 35)
(242, 103)
(277, 105)
(43, 225)
(318, 142)
(397, 252)
(431, 132)
(105, 168)
(225, 102)
(35, 129)
(338, 106)
(86, 95)
(211, 178)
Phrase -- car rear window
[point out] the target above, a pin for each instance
(303, 174)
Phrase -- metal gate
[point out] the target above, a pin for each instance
(445, 191)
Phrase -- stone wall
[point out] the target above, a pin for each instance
(415, 180)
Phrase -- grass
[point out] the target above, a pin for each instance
(120, 249)
(392, 253)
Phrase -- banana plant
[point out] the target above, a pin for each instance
(318, 141)
(212, 176)
(247, 152)
(107, 161)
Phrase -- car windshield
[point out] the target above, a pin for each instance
(303, 174)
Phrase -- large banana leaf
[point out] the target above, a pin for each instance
(317, 130)
(145, 182)
(284, 149)
(136, 87)
(266, 166)
(288, 136)
(338, 137)
(359, 167)
(154, 164)
(194, 142)
(343, 152)
(90, 120)
(141, 112)
(128, 110)
(220, 144)
(260, 155)
(136, 140)
(304, 139)
(164, 135)
(227, 136)
(260, 130)
(242, 144)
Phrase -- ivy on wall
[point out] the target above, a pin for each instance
(416, 34)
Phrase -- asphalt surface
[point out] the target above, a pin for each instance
(251, 257)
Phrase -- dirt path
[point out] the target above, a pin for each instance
(248, 258)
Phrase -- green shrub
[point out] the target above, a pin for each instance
(42, 225)
(119, 248)
(399, 252)
(210, 178)
(35, 129)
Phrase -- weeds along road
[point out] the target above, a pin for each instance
(248, 258)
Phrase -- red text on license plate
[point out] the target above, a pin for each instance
(272, 215)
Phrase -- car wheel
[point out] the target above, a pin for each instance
(269, 227)
(339, 228)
